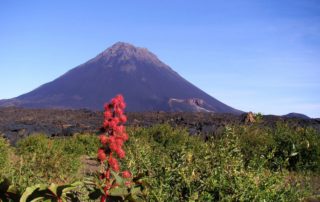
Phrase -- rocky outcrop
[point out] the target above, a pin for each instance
(249, 118)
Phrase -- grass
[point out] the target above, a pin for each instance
(247, 163)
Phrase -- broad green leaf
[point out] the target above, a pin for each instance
(71, 187)
(118, 191)
(136, 190)
(12, 189)
(28, 192)
(53, 188)
(34, 192)
(119, 179)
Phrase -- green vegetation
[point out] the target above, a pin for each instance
(4, 155)
(237, 166)
(247, 163)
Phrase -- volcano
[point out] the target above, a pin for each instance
(146, 83)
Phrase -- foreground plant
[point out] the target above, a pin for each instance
(112, 183)
(8, 192)
(52, 192)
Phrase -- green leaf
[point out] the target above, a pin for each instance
(119, 191)
(64, 189)
(136, 190)
(53, 188)
(41, 198)
(34, 193)
(28, 192)
(119, 180)
(12, 189)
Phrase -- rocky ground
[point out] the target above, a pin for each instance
(16, 123)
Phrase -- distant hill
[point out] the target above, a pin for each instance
(146, 83)
(296, 115)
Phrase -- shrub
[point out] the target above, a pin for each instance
(4, 155)
(79, 144)
(44, 160)
(282, 147)
(184, 168)
(298, 148)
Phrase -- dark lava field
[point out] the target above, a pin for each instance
(16, 123)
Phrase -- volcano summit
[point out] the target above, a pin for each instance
(146, 83)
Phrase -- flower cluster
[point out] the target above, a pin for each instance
(113, 139)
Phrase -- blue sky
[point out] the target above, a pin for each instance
(254, 55)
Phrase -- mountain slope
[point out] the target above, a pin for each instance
(296, 115)
(146, 83)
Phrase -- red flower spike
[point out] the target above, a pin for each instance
(106, 124)
(120, 129)
(126, 174)
(118, 111)
(107, 114)
(124, 136)
(114, 101)
(119, 96)
(114, 164)
(106, 107)
(121, 153)
(103, 139)
(112, 139)
(123, 118)
(119, 141)
(112, 124)
(113, 142)
(102, 155)
(122, 105)
(128, 184)
(107, 174)
(113, 147)
(116, 120)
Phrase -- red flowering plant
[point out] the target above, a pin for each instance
(112, 184)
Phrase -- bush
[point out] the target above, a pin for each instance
(80, 144)
(44, 160)
(298, 148)
(4, 155)
(282, 147)
(184, 168)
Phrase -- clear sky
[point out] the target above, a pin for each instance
(254, 55)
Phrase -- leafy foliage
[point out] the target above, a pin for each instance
(4, 154)
(52, 192)
(185, 168)
(247, 163)
(282, 147)
(8, 192)
(42, 160)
